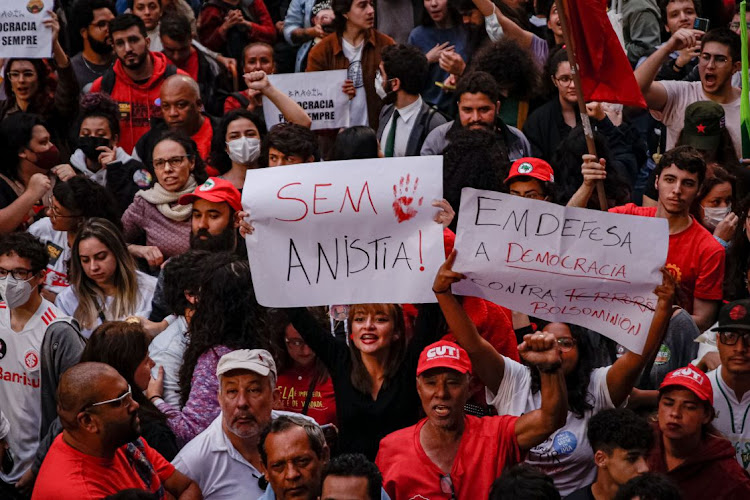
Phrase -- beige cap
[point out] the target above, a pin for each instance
(259, 361)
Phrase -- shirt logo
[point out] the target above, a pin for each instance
(31, 359)
(54, 252)
(689, 373)
(142, 178)
(443, 351)
(738, 312)
(564, 443)
(3, 349)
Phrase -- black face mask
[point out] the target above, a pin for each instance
(88, 145)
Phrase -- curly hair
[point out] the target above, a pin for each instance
(524, 482)
(514, 71)
(227, 314)
(619, 428)
(408, 64)
(99, 105)
(182, 273)
(577, 381)
(16, 131)
(25, 246)
(87, 199)
(278, 321)
(567, 164)
(42, 101)
(474, 158)
(290, 139)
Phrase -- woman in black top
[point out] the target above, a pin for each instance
(373, 376)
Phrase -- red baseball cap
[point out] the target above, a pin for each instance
(531, 167)
(692, 379)
(215, 190)
(444, 354)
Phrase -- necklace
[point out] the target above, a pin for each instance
(86, 63)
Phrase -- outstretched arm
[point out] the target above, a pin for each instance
(624, 373)
(510, 29)
(293, 112)
(487, 363)
(540, 350)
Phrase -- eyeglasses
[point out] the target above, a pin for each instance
(16, 75)
(295, 342)
(54, 212)
(118, 402)
(446, 486)
(731, 338)
(174, 162)
(566, 343)
(735, 26)
(19, 274)
(102, 25)
(565, 79)
(719, 60)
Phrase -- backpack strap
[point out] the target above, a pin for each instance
(108, 81)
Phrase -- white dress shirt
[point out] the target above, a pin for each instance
(407, 117)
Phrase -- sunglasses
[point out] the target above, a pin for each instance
(117, 402)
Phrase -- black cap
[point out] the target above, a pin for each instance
(734, 316)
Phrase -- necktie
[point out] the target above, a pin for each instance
(390, 141)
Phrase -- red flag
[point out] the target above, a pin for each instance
(603, 67)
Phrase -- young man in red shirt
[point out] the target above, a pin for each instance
(695, 258)
(451, 455)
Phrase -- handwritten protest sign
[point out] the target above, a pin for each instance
(319, 93)
(22, 33)
(585, 267)
(345, 232)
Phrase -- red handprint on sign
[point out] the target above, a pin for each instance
(403, 200)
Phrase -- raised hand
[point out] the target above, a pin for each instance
(446, 276)
(540, 349)
(446, 214)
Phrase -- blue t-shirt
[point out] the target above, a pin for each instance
(425, 38)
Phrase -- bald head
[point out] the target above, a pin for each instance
(181, 104)
(80, 386)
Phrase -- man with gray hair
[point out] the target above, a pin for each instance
(224, 459)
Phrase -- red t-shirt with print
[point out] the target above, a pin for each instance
(694, 258)
(294, 384)
(487, 446)
(68, 474)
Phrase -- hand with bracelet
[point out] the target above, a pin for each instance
(155, 388)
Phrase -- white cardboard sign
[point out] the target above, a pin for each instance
(586, 267)
(319, 93)
(22, 33)
(345, 232)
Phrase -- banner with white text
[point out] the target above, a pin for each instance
(22, 33)
(345, 232)
(590, 268)
(319, 93)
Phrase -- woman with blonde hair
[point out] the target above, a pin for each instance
(104, 282)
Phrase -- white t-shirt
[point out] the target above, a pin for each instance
(20, 384)
(358, 105)
(67, 301)
(566, 455)
(56, 243)
(167, 350)
(680, 95)
(732, 416)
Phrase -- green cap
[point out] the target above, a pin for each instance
(704, 121)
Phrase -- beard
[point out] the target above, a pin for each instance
(101, 48)
(139, 62)
(120, 433)
(225, 241)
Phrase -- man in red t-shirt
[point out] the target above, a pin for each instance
(100, 451)
(695, 258)
(451, 455)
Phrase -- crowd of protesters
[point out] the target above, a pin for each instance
(136, 362)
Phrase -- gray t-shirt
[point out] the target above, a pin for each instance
(86, 72)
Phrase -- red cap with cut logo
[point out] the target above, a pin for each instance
(444, 354)
(691, 378)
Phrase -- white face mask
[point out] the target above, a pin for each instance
(15, 292)
(712, 216)
(244, 150)
(493, 28)
(379, 86)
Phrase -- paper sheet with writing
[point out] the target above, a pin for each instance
(590, 268)
(345, 232)
(319, 93)
(22, 33)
